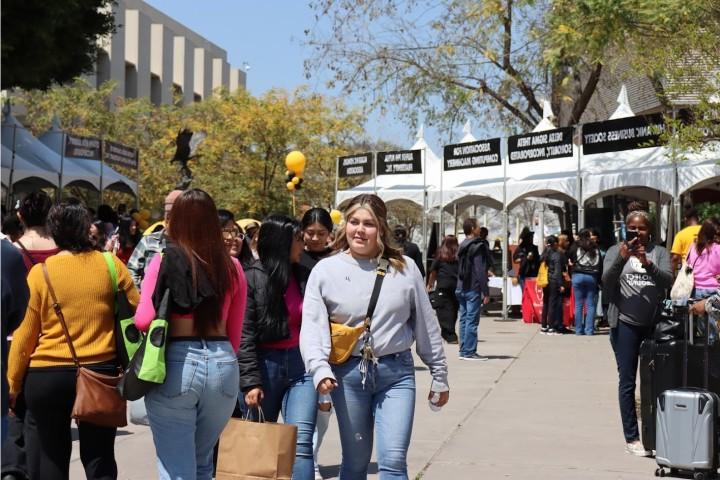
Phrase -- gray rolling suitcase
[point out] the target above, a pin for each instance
(686, 434)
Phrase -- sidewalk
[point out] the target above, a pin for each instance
(541, 408)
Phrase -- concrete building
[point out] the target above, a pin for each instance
(151, 55)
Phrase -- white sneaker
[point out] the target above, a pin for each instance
(637, 449)
(474, 358)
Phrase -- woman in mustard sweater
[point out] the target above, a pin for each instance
(41, 364)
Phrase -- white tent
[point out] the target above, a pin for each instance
(402, 187)
(555, 178)
(479, 185)
(24, 170)
(16, 137)
(111, 179)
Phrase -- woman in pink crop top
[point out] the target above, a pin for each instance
(207, 292)
(704, 258)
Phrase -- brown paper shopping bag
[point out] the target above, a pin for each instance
(256, 451)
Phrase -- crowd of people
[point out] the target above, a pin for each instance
(248, 315)
(249, 311)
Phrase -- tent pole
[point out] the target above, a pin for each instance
(581, 204)
(62, 165)
(101, 176)
(442, 217)
(337, 177)
(506, 236)
(542, 227)
(12, 172)
(375, 175)
(455, 209)
(676, 199)
(425, 207)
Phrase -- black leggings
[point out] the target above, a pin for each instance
(49, 395)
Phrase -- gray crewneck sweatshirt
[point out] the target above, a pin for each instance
(339, 289)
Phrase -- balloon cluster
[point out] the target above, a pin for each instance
(295, 163)
(142, 218)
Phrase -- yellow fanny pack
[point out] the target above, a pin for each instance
(343, 338)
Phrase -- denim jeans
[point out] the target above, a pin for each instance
(585, 289)
(701, 293)
(188, 412)
(385, 406)
(625, 340)
(470, 302)
(288, 389)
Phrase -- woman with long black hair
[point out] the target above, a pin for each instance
(272, 373)
(207, 292)
(585, 261)
(442, 279)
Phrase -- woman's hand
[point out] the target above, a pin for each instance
(326, 386)
(253, 397)
(444, 397)
(639, 252)
(628, 248)
(698, 308)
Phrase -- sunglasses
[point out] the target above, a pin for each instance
(232, 233)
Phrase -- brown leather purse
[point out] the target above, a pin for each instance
(97, 400)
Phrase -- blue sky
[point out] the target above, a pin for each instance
(268, 35)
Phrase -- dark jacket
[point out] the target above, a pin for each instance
(413, 251)
(586, 262)
(557, 264)
(258, 328)
(473, 262)
(15, 297)
(528, 267)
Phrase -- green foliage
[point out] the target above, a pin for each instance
(46, 42)
(497, 59)
(708, 210)
(241, 162)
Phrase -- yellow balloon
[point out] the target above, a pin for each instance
(145, 214)
(295, 161)
(290, 186)
(296, 180)
(336, 216)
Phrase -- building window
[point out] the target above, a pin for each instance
(155, 89)
(131, 80)
(103, 68)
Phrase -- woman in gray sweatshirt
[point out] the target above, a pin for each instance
(635, 279)
(373, 397)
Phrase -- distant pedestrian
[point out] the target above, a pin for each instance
(526, 257)
(636, 274)
(207, 294)
(685, 238)
(585, 260)
(442, 281)
(373, 392)
(150, 245)
(36, 244)
(409, 248)
(552, 314)
(472, 289)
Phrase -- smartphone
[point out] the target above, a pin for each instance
(630, 235)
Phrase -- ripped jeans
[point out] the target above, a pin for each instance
(384, 407)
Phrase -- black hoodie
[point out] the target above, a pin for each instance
(473, 264)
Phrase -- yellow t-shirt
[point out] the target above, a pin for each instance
(684, 239)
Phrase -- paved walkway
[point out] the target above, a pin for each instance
(541, 408)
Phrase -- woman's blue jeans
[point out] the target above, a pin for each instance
(288, 389)
(585, 290)
(384, 406)
(188, 412)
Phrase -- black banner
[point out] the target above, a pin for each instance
(483, 153)
(353, 165)
(118, 154)
(531, 147)
(621, 134)
(82, 147)
(399, 162)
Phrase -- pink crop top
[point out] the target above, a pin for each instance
(233, 309)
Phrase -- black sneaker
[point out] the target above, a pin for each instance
(552, 331)
(544, 330)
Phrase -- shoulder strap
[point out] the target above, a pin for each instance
(113, 271)
(59, 313)
(381, 271)
(26, 252)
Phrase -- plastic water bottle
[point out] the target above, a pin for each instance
(433, 402)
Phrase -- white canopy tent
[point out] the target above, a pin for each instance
(25, 171)
(111, 179)
(402, 187)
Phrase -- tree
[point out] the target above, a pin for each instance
(242, 160)
(497, 59)
(51, 42)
